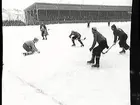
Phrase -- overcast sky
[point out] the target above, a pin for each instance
(22, 4)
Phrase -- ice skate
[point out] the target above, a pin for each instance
(27, 53)
(97, 62)
(122, 52)
(24, 54)
(73, 45)
(90, 62)
(96, 65)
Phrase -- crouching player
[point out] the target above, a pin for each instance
(30, 47)
(76, 36)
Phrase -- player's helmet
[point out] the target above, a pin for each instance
(72, 31)
(94, 28)
(113, 26)
(36, 39)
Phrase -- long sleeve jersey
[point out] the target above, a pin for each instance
(98, 37)
(75, 34)
(42, 27)
(32, 45)
(118, 33)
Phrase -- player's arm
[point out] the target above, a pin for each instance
(70, 35)
(94, 42)
(35, 49)
(115, 37)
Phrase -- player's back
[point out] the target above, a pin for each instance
(119, 32)
(100, 37)
(76, 34)
(30, 43)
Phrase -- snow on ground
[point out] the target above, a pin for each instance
(59, 75)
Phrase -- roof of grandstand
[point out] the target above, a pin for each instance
(57, 6)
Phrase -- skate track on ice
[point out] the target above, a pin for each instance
(59, 75)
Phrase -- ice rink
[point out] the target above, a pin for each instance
(59, 75)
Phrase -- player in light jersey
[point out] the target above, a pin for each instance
(30, 47)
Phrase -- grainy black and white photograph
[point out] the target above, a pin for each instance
(66, 52)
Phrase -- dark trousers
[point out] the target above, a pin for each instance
(97, 50)
(78, 38)
(43, 34)
(122, 42)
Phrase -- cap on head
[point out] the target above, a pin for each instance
(113, 26)
(72, 31)
(36, 39)
(94, 28)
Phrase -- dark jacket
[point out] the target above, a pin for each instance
(76, 34)
(42, 27)
(118, 33)
(98, 37)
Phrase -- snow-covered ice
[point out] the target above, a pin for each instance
(59, 75)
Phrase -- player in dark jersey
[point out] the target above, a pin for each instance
(96, 52)
(120, 35)
(76, 36)
(44, 31)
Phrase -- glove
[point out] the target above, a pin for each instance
(107, 46)
(90, 49)
(114, 43)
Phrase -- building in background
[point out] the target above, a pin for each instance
(73, 13)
